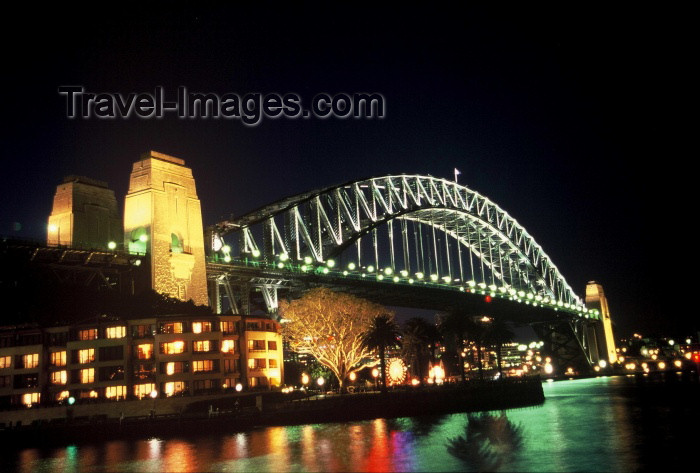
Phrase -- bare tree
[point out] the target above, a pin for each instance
(329, 325)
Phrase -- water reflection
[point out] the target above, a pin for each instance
(584, 425)
(489, 443)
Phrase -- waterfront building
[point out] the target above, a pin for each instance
(159, 356)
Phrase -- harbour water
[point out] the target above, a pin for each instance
(597, 424)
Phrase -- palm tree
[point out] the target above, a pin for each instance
(419, 337)
(498, 333)
(461, 326)
(382, 334)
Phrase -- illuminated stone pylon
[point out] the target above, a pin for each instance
(163, 218)
(595, 299)
(84, 215)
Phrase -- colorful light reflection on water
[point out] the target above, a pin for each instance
(585, 425)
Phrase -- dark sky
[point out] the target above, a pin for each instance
(571, 119)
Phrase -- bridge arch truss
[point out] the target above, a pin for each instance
(402, 226)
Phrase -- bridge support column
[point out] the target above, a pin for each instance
(564, 342)
(595, 299)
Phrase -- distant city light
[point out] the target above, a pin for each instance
(111, 245)
(239, 387)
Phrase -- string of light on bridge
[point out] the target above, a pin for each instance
(389, 275)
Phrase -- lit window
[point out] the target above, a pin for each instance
(173, 327)
(172, 348)
(174, 387)
(143, 390)
(5, 362)
(30, 361)
(227, 346)
(115, 392)
(227, 326)
(88, 334)
(116, 332)
(29, 399)
(144, 351)
(62, 395)
(202, 365)
(272, 363)
(86, 356)
(201, 345)
(59, 377)
(87, 375)
(58, 358)
(199, 327)
(256, 344)
(256, 363)
(170, 368)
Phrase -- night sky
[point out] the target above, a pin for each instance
(572, 120)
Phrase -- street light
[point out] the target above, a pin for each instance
(154, 395)
(375, 375)
(304, 379)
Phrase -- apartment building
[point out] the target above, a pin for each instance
(150, 357)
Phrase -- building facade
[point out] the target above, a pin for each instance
(152, 357)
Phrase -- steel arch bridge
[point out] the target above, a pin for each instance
(383, 234)
(401, 228)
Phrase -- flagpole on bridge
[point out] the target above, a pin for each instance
(457, 173)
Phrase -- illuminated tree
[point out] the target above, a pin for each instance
(329, 325)
(382, 334)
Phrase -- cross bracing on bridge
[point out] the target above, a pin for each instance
(405, 229)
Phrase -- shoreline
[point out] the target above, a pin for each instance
(221, 416)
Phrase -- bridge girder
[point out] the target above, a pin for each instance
(326, 223)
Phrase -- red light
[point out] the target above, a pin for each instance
(696, 356)
(487, 298)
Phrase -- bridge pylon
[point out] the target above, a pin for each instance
(163, 219)
(605, 339)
